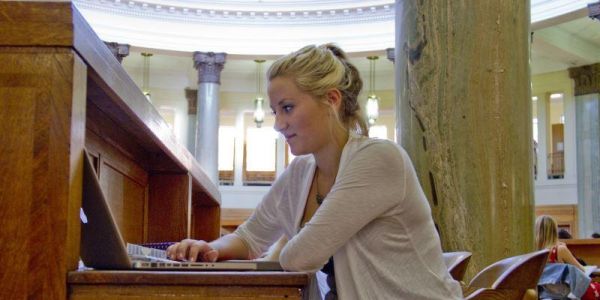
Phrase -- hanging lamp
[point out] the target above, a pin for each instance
(372, 100)
(259, 112)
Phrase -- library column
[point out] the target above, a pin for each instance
(464, 116)
(209, 66)
(587, 112)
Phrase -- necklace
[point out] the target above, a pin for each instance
(319, 198)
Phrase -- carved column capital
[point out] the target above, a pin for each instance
(587, 79)
(118, 50)
(192, 97)
(209, 66)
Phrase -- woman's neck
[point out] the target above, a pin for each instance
(328, 158)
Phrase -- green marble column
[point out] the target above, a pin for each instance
(464, 108)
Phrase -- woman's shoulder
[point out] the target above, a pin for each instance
(374, 144)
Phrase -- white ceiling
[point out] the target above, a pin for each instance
(563, 37)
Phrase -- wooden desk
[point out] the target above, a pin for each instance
(61, 89)
(586, 249)
(185, 285)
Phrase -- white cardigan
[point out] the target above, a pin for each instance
(375, 221)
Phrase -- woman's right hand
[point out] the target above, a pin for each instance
(192, 250)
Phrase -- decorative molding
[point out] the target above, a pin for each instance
(118, 50)
(209, 66)
(192, 98)
(233, 15)
(587, 79)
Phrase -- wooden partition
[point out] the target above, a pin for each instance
(586, 249)
(62, 90)
(564, 214)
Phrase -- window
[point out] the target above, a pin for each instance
(226, 154)
(259, 156)
(378, 131)
(556, 137)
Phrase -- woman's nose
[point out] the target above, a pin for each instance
(280, 124)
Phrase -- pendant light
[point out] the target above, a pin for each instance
(259, 112)
(372, 100)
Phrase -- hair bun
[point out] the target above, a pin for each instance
(337, 51)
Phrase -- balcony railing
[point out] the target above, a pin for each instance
(556, 165)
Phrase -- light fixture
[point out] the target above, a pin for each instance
(259, 112)
(372, 100)
(146, 75)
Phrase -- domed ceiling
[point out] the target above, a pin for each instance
(264, 27)
(267, 27)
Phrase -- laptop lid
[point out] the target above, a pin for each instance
(102, 246)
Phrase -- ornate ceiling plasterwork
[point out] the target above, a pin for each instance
(256, 27)
(260, 27)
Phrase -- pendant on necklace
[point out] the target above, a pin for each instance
(320, 199)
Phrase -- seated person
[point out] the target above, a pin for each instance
(546, 237)
(348, 205)
(563, 234)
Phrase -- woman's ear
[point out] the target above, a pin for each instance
(334, 98)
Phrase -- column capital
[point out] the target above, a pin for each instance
(209, 66)
(118, 50)
(587, 79)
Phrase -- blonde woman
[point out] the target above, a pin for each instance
(351, 207)
(546, 237)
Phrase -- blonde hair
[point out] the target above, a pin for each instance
(546, 232)
(316, 70)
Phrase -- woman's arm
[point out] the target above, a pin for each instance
(565, 256)
(227, 247)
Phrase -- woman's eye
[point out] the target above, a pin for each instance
(287, 108)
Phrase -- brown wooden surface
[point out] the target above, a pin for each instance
(54, 67)
(205, 222)
(186, 285)
(565, 216)
(168, 207)
(60, 24)
(42, 115)
(586, 249)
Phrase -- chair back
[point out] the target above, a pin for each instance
(457, 263)
(520, 272)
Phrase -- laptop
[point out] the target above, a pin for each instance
(102, 246)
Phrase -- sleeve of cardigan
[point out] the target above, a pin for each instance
(262, 228)
(371, 184)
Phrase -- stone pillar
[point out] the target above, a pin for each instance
(464, 116)
(118, 50)
(587, 111)
(209, 66)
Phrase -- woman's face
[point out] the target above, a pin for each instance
(301, 119)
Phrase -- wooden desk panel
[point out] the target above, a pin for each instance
(586, 249)
(186, 285)
(54, 67)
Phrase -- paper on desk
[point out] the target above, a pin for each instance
(137, 250)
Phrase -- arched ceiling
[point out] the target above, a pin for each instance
(262, 27)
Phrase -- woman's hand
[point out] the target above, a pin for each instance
(192, 250)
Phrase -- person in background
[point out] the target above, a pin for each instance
(351, 207)
(546, 237)
(595, 235)
(563, 234)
